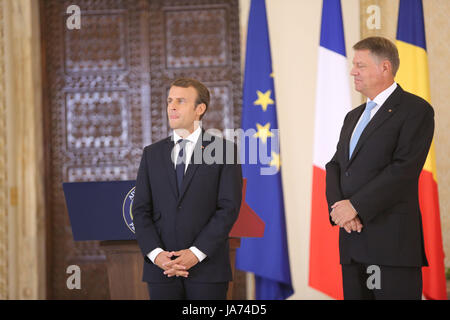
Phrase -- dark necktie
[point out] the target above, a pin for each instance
(181, 162)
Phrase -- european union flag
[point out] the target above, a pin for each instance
(266, 257)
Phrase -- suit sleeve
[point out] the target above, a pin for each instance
(146, 234)
(407, 162)
(333, 174)
(229, 199)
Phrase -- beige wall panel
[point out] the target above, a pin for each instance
(437, 28)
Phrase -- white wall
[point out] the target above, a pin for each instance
(294, 27)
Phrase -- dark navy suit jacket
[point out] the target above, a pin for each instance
(381, 181)
(202, 215)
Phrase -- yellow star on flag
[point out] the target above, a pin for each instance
(263, 99)
(276, 161)
(263, 132)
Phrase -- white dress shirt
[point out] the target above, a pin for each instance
(191, 141)
(380, 99)
(189, 149)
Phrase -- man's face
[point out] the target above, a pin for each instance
(367, 73)
(181, 108)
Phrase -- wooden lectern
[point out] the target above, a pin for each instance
(124, 258)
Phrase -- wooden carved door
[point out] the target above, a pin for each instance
(105, 88)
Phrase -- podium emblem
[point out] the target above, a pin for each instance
(127, 209)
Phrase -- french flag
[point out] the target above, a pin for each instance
(332, 104)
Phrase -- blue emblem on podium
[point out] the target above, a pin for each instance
(127, 209)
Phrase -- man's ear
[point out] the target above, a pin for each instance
(200, 109)
(386, 66)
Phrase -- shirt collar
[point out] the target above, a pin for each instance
(193, 137)
(384, 95)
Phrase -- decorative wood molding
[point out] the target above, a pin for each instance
(24, 150)
(3, 168)
(386, 11)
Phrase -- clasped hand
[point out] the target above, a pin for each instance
(179, 267)
(344, 215)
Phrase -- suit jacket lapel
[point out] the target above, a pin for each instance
(384, 113)
(170, 166)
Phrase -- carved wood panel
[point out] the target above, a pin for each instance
(105, 92)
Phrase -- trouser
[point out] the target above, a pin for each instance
(372, 282)
(183, 289)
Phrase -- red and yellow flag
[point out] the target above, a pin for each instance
(413, 77)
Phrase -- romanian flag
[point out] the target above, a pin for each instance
(413, 77)
(332, 104)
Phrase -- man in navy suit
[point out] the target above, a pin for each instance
(372, 180)
(188, 196)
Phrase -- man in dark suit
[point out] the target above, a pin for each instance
(188, 196)
(372, 180)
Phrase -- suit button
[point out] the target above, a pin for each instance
(347, 174)
(179, 207)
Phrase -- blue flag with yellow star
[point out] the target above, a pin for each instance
(266, 257)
